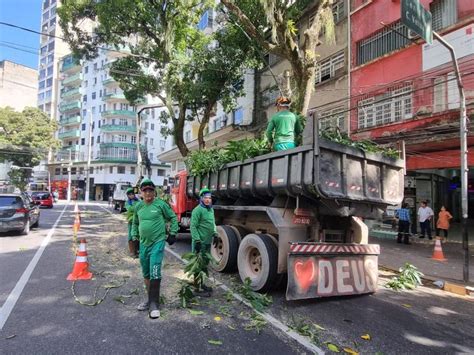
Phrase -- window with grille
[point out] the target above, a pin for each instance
(120, 170)
(333, 118)
(327, 68)
(392, 106)
(444, 13)
(383, 42)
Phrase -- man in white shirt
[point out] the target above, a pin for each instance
(425, 214)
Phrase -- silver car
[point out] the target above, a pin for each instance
(18, 212)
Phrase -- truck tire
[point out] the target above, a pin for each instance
(258, 260)
(225, 254)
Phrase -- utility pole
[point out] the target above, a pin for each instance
(88, 167)
(69, 165)
(463, 147)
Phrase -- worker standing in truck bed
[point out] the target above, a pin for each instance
(283, 127)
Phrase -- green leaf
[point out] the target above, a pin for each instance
(215, 342)
(333, 348)
(195, 313)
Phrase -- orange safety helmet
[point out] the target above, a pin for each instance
(283, 101)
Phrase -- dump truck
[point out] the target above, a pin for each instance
(297, 216)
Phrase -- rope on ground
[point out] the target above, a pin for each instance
(96, 301)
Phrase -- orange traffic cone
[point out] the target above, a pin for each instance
(77, 223)
(80, 270)
(438, 251)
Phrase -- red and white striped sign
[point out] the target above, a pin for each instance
(312, 248)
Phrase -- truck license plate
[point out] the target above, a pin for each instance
(301, 220)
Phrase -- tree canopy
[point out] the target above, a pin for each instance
(25, 139)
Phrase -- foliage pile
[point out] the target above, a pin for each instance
(197, 270)
(258, 300)
(203, 162)
(335, 135)
(409, 278)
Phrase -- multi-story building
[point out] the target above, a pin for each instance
(405, 89)
(52, 48)
(91, 104)
(18, 85)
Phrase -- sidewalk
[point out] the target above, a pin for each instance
(394, 256)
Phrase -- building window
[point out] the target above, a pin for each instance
(239, 116)
(73, 171)
(150, 156)
(333, 118)
(152, 125)
(50, 71)
(162, 143)
(92, 140)
(134, 139)
(151, 141)
(86, 69)
(94, 96)
(98, 139)
(42, 74)
(383, 42)
(327, 68)
(339, 10)
(49, 82)
(57, 171)
(81, 170)
(392, 106)
(161, 172)
(445, 93)
(84, 98)
(83, 126)
(50, 58)
(123, 122)
(52, 22)
(41, 85)
(444, 13)
(187, 136)
(91, 170)
(205, 21)
(111, 170)
(83, 141)
(120, 170)
(50, 46)
(132, 170)
(64, 171)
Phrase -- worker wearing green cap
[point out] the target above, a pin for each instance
(149, 222)
(203, 226)
(132, 201)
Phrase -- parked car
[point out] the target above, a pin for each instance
(45, 199)
(18, 213)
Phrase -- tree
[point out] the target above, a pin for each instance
(278, 34)
(25, 139)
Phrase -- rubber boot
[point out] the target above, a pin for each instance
(131, 249)
(136, 245)
(154, 299)
(145, 305)
(399, 238)
(406, 239)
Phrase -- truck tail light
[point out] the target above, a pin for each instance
(21, 210)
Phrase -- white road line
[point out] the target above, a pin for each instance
(268, 317)
(13, 297)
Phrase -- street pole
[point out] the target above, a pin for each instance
(69, 177)
(464, 167)
(88, 167)
(139, 154)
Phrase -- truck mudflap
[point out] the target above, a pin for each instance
(329, 269)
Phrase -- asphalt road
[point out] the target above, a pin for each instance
(46, 318)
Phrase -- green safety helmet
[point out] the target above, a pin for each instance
(204, 191)
(147, 184)
(130, 190)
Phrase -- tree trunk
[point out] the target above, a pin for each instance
(178, 131)
(205, 121)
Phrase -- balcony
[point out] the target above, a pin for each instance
(72, 106)
(71, 94)
(70, 121)
(112, 97)
(118, 113)
(111, 158)
(110, 82)
(73, 80)
(112, 52)
(73, 133)
(70, 65)
(118, 145)
(118, 128)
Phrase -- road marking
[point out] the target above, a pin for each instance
(13, 297)
(268, 317)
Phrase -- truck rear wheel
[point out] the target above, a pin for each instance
(225, 254)
(257, 260)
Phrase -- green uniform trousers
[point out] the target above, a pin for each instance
(151, 258)
(284, 146)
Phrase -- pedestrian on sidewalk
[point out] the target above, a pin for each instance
(132, 201)
(425, 214)
(443, 222)
(203, 227)
(150, 219)
(403, 215)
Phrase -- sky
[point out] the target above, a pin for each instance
(25, 13)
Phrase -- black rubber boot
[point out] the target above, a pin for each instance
(154, 299)
(406, 239)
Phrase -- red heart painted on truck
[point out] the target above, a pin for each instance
(305, 273)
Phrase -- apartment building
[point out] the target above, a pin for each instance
(18, 85)
(95, 116)
(405, 89)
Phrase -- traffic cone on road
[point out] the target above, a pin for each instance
(438, 251)
(80, 270)
(77, 223)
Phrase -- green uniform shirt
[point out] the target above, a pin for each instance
(130, 209)
(286, 126)
(149, 221)
(203, 224)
